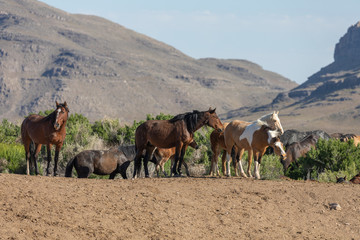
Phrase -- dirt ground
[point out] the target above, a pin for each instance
(39, 207)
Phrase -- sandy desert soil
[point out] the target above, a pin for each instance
(39, 207)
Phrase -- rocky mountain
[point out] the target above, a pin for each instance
(103, 69)
(328, 100)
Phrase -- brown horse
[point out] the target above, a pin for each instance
(298, 149)
(253, 137)
(109, 162)
(217, 142)
(356, 179)
(49, 130)
(162, 155)
(177, 132)
(347, 137)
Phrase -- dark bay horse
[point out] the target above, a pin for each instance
(109, 162)
(298, 149)
(162, 155)
(49, 130)
(177, 132)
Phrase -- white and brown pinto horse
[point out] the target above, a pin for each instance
(253, 137)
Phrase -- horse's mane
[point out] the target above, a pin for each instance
(262, 121)
(190, 118)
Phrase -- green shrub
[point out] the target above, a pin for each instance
(15, 156)
(329, 158)
(271, 167)
(9, 132)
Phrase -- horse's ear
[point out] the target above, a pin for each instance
(212, 110)
(345, 178)
(57, 104)
(65, 104)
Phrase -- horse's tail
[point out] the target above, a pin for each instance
(69, 167)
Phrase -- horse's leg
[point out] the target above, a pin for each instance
(250, 158)
(162, 164)
(177, 153)
(123, 169)
(258, 163)
(36, 154)
(214, 162)
(113, 174)
(27, 143)
(48, 149)
(223, 163)
(57, 151)
(240, 166)
(148, 154)
(234, 156)
(181, 162)
(137, 163)
(228, 156)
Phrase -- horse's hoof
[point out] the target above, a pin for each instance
(244, 175)
(147, 176)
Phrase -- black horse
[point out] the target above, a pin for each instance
(109, 162)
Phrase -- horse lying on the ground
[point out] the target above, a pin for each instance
(341, 180)
(356, 179)
(162, 155)
(298, 149)
(253, 137)
(109, 162)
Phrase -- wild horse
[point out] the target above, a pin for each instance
(298, 149)
(254, 137)
(177, 132)
(109, 162)
(49, 130)
(162, 155)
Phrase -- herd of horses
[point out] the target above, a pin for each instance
(158, 141)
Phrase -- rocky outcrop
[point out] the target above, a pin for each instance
(347, 50)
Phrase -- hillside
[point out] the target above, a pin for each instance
(103, 69)
(328, 100)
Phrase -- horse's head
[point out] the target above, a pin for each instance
(61, 114)
(212, 120)
(273, 121)
(278, 147)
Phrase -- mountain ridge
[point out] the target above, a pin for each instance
(103, 69)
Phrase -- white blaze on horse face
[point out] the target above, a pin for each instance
(249, 132)
(279, 145)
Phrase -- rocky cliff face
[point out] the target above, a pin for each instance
(347, 50)
(342, 74)
(329, 99)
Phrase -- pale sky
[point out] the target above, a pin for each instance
(294, 38)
